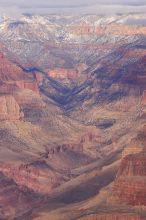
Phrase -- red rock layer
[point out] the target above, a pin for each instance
(136, 145)
(17, 88)
(133, 165)
(63, 73)
(15, 200)
(130, 185)
(72, 75)
(37, 176)
(10, 71)
(12, 77)
(111, 216)
(129, 190)
(144, 98)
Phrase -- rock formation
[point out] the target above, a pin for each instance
(129, 187)
(112, 216)
(37, 176)
(15, 200)
(13, 77)
(9, 108)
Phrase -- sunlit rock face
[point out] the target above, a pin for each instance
(10, 110)
(63, 73)
(12, 77)
(129, 186)
(16, 87)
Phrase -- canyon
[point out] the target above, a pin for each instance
(72, 118)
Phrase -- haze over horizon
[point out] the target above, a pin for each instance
(15, 7)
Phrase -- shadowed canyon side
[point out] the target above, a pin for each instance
(72, 118)
(126, 195)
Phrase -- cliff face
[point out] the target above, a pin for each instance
(16, 88)
(129, 187)
(10, 109)
(15, 200)
(13, 77)
(10, 71)
(133, 165)
(129, 190)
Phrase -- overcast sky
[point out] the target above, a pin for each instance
(87, 6)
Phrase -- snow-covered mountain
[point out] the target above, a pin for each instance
(58, 28)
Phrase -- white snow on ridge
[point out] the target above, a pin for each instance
(56, 27)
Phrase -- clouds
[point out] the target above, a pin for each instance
(13, 12)
(87, 6)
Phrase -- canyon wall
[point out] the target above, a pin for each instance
(9, 108)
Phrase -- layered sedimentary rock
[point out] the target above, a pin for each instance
(17, 88)
(112, 216)
(29, 98)
(12, 77)
(9, 87)
(28, 84)
(129, 190)
(9, 108)
(69, 75)
(130, 184)
(37, 176)
(63, 73)
(136, 146)
(133, 165)
(10, 71)
(15, 200)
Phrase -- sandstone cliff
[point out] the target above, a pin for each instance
(10, 109)
(129, 187)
